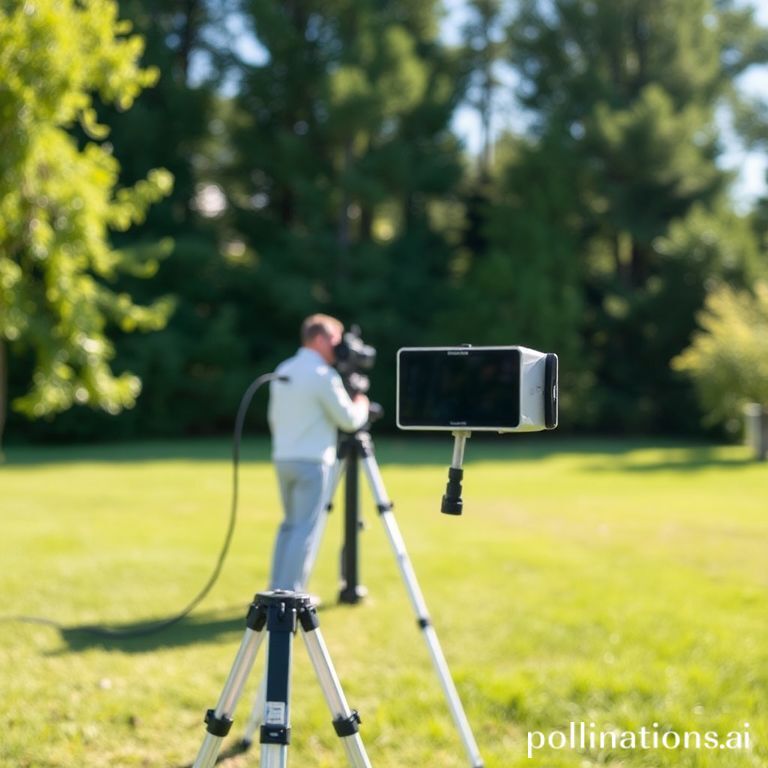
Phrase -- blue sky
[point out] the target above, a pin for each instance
(752, 166)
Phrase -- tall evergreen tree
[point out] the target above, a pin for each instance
(482, 52)
(199, 364)
(525, 287)
(484, 41)
(343, 134)
(628, 91)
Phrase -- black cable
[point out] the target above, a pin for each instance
(155, 626)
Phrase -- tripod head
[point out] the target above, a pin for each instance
(375, 412)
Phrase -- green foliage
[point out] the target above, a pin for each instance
(627, 93)
(639, 331)
(198, 365)
(58, 201)
(341, 148)
(728, 358)
(525, 287)
(325, 130)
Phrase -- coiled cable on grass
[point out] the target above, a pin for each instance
(148, 628)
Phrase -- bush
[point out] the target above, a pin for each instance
(728, 358)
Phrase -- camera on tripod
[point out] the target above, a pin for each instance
(353, 356)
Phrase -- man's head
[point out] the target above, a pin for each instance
(322, 333)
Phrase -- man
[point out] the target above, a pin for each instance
(304, 415)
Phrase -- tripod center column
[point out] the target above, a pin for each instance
(282, 608)
(351, 448)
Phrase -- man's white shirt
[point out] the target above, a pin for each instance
(305, 412)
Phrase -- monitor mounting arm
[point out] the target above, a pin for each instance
(452, 503)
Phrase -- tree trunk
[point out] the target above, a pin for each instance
(622, 256)
(188, 37)
(486, 116)
(343, 233)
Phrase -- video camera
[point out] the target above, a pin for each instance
(353, 356)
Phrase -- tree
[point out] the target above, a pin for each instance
(484, 42)
(197, 366)
(526, 286)
(342, 151)
(628, 92)
(58, 202)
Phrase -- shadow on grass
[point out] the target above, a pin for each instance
(145, 637)
(608, 453)
(690, 459)
(256, 449)
(394, 448)
(142, 637)
(237, 749)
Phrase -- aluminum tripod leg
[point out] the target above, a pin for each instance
(257, 713)
(420, 608)
(219, 720)
(345, 720)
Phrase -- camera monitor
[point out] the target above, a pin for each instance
(494, 389)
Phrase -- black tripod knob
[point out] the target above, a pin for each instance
(452, 503)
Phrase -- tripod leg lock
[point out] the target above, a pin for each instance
(217, 726)
(347, 726)
(257, 616)
(308, 618)
(275, 735)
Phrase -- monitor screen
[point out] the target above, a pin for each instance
(458, 388)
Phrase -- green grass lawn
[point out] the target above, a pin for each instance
(620, 584)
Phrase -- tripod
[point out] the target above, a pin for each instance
(280, 613)
(357, 449)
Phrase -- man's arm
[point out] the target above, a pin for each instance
(347, 414)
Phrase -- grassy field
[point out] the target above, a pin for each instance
(620, 584)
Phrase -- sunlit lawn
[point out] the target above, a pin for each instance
(615, 583)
